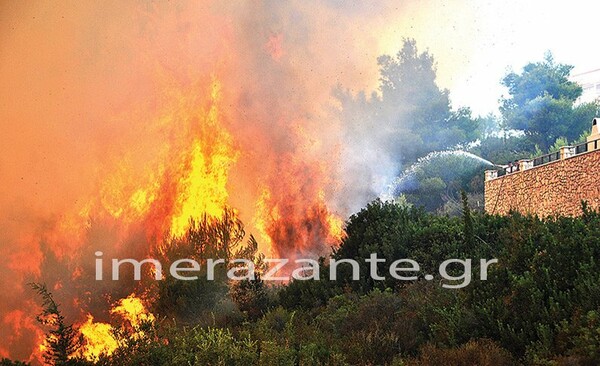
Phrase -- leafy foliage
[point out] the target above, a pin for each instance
(411, 115)
(538, 306)
(541, 103)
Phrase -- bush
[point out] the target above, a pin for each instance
(474, 353)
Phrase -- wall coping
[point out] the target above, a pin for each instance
(545, 164)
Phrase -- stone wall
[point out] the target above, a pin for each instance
(554, 188)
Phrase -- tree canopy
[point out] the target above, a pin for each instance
(410, 115)
(541, 102)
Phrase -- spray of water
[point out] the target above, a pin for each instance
(403, 181)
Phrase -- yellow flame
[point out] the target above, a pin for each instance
(334, 223)
(264, 216)
(99, 339)
(336, 227)
(43, 346)
(133, 310)
(124, 196)
(203, 189)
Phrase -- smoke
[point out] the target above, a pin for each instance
(102, 106)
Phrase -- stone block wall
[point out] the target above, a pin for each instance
(556, 188)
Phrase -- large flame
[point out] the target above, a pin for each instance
(191, 183)
(100, 338)
(190, 178)
(166, 115)
(202, 186)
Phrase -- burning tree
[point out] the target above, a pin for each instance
(62, 341)
(209, 237)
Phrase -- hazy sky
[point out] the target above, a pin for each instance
(474, 42)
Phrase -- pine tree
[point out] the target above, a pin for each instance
(62, 340)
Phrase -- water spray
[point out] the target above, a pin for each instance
(410, 171)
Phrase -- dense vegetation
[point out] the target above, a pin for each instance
(539, 306)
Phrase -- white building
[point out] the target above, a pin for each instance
(590, 81)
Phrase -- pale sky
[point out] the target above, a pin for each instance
(475, 42)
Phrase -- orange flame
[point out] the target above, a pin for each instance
(100, 339)
(133, 310)
(202, 189)
(188, 139)
(190, 177)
